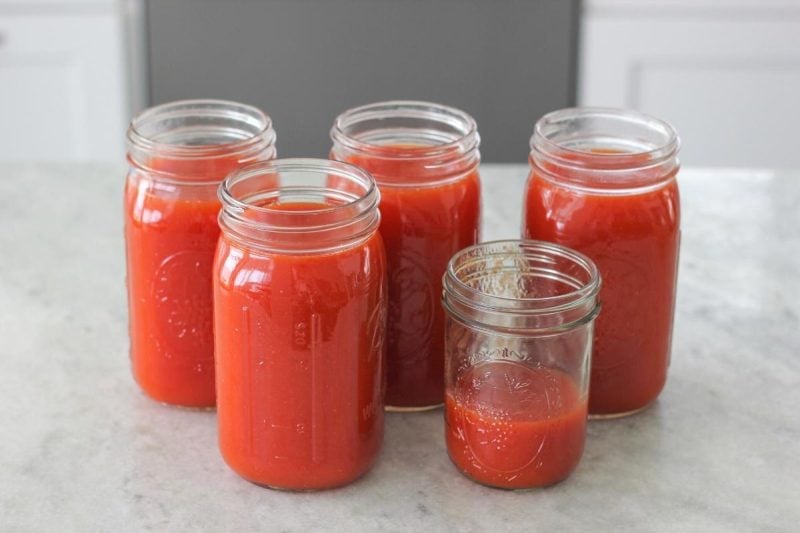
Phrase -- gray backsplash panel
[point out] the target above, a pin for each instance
(303, 61)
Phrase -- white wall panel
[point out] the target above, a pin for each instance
(727, 74)
(63, 85)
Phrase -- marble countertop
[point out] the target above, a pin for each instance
(81, 449)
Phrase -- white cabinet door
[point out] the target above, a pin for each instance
(62, 84)
(726, 73)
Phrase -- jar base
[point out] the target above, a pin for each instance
(412, 409)
(506, 488)
(309, 489)
(511, 489)
(612, 416)
(183, 407)
(286, 489)
(200, 408)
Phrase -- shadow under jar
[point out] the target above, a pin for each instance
(518, 344)
(425, 159)
(603, 182)
(299, 310)
(178, 154)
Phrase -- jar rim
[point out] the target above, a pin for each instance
(478, 299)
(328, 226)
(305, 164)
(252, 126)
(465, 139)
(657, 153)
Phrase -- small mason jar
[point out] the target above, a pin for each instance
(425, 159)
(518, 343)
(603, 181)
(178, 154)
(299, 312)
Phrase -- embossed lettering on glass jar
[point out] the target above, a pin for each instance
(300, 310)
(425, 159)
(518, 342)
(603, 181)
(178, 154)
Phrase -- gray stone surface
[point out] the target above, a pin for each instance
(81, 449)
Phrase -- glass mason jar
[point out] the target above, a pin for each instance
(178, 154)
(518, 344)
(299, 312)
(425, 159)
(603, 182)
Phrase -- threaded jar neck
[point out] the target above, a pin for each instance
(604, 148)
(521, 286)
(199, 140)
(299, 205)
(441, 141)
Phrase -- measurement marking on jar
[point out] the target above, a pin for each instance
(317, 356)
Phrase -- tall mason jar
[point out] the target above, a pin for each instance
(178, 154)
(518, 342)
(300, 310)
(603, 181)
(425, 159)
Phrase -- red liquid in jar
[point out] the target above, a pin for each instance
(171, 233)
(633, 238)
(422, 226)
(300, 365)
(512, 426)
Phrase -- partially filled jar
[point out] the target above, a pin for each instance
(425, 159)
(300, 310)
(178, 155)
(518, 343)
(603, 181)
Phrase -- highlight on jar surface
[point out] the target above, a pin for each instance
(603, 181)
(518, 343)
(178, 155)
(425, 159)
(300, 310)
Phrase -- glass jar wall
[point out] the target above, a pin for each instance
(178, 155)
(603, 182)
(518, 341)
(425, 159)
(299, 312)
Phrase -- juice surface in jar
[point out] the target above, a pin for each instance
(300, 322)
(179, 153)
(425, 159)
(610, 192)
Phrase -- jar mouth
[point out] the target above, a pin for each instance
(422, 129)
(604, 139)
(189, 129)
(521, 277)
(300, 203)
